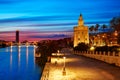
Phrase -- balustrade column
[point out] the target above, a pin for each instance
(109, 53)
(104, 53)
(119, 54)
(100, 53)
(113, 54)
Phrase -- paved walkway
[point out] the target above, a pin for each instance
(82, 68)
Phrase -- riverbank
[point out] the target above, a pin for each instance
(79, 68)
(3, 46)
(40, 63)
(45, 73)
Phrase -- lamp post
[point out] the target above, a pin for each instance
(64, 60)
(58, 54)
(57, 57)
(64, 71)
(116, 34)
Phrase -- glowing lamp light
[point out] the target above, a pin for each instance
(64, 71)
(115, 33)
(58, 51)
(64, 57)
(19, 46)
(92, 48)
(118, 49)
(34, 46)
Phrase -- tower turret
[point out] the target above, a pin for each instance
(80, 21)
(81, 34)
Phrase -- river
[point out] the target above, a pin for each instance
(18, 63)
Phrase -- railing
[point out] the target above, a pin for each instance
(108, 57)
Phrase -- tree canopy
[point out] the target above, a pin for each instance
(81, 47)
(115, 23)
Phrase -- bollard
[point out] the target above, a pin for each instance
(64, 72)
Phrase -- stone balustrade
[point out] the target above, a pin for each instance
(108, 57)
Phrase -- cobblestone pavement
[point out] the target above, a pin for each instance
(81, 68)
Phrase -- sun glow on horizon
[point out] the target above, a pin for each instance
(50, 19)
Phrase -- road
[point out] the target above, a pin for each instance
(82, 68)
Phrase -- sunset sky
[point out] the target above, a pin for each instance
(52, 19)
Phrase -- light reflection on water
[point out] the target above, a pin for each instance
(18, 63)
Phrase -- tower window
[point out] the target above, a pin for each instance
(82, 32)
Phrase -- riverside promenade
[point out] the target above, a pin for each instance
(79, 68)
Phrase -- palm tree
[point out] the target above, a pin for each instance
(91, 29)
(104, 27)
(115, 23)
(96, 27)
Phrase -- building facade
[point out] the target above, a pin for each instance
(17, 36)
(81, 33)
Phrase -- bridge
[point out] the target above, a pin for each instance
(26, 43)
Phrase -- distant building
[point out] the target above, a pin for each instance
(102, 39)
(81, 33)
(17, 36)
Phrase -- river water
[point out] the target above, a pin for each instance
(18, 63)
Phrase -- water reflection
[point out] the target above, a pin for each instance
(18, 63)
(10, 57)
(19, 54)
(26, 55)
(10, 49)
(34, 55)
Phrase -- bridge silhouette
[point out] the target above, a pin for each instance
(25, 44)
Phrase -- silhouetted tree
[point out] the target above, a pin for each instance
(81, 47)
(96, 27)
(115, 23)
(103, 48)
(104, 27)
(91, 28)
(46, 48)
(107, 48)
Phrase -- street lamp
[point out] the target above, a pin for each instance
(64, 71)
(58, 54)
(115, 38)
(116, 33)
(57, 57)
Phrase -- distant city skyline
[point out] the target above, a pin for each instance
(51, 19)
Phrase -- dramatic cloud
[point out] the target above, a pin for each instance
(51, 36)
(49, 18)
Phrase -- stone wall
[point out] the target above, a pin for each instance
(45, 73)
(108, 57)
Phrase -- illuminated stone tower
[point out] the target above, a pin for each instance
(81, 34)
(17, 36)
